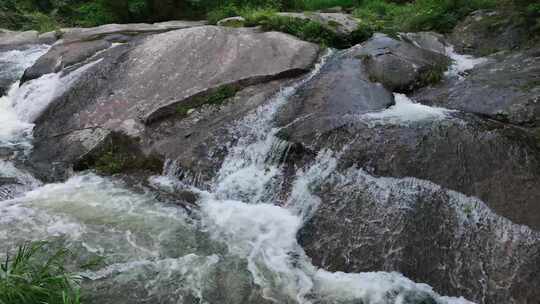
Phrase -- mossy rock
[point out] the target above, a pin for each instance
(119, 153)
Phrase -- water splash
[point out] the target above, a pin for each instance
(461, 63)
(406, 112)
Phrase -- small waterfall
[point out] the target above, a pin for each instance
(240, 247)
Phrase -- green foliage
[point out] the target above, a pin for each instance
(119, 158)
(33, 275)
(322, 4)
(95, 13)
(420, 15)
(304, 29)
(433, 75)
(40, 22)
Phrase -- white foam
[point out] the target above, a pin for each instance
(405, 112)
(12, 129)
(461, 63)
(33, 97)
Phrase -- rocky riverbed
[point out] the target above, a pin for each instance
(188, 163)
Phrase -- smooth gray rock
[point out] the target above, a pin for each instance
(15, 40)
(132, 85)
(79, 44)
(93, 33)
(506, 88)
(49, 37)
(432, 235)
(399, 65)
(431, 41)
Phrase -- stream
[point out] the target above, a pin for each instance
(238, 247)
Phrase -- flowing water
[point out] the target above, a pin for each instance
(239, 247)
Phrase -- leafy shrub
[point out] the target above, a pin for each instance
(40, 22)
(33, 275)
(420, 15)
(322, 4)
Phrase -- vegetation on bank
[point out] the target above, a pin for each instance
(34, 274)
(375, 15)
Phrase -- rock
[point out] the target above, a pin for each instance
(485, 32)
(499, 164)
(452, 242)
(339, 23)
(48, 38)
(430, 41)
(401, 66)
(130, 86)
(232, 22)
(64, 55)
(506, 88)
(206, 134)
(16, 40)
(94, 33)
(79, 44)
(341, 89)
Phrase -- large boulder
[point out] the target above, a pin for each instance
(129, 87)
(341, 89)
(399, 65)
(107, 30)
(79, 44)
(485, 32)
(497, 163)
(506, 87)
(430, 234)
(17, 40)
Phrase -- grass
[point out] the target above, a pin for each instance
(33, 275)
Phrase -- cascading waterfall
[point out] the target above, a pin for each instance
(240, 247)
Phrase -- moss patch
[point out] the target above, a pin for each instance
(119, 154)
(432, 76)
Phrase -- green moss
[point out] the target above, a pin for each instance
(120, 154)
(468, 209)
(433, 75)
(334, 24)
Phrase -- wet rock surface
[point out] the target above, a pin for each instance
(132, 85)
(342, 88)
(506, 88)
(401, 66)
(390, 204)
(498, 164)
(452, 242)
